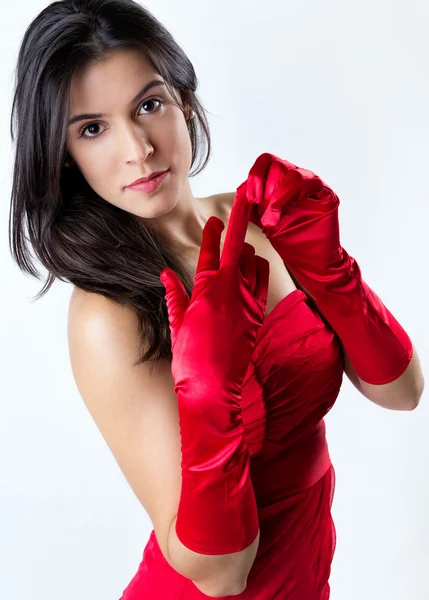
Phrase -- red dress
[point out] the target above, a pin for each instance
(292, 382)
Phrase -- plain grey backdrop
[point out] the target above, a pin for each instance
(340, 88)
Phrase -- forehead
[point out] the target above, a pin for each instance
(116, 74)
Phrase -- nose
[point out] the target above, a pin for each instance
(138, 146)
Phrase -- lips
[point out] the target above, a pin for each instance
(148, 178)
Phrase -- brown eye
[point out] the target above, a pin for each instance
(148, 101)
(153, 100)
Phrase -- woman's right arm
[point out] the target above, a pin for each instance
(136, 411)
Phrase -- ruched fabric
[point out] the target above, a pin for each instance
(292, 382)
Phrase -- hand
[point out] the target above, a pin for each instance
(296, 210)
(215, 330)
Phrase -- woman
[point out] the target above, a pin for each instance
(208, 379)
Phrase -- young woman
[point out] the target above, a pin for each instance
(208, 336)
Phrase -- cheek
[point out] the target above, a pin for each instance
(99, 164)
(183, 145)
(176, 135)
(99, 173)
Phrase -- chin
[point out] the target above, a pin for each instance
(157, 206)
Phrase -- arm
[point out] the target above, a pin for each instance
(213, 335)
(298, 213)
(403, 393)
(215, 576)
(135, 409)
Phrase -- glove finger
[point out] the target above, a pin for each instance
(293, 186)
(210, 247)
(176, 298)
(236, 231)
(262, 279)
(254, 213)
(248, 267)
(257, 176)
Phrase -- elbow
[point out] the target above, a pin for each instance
(419, 387)
(216, 576)
(416, 400)
(416, 382)
(402, 394)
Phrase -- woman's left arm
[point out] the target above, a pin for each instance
(403, 393)
(298, 212)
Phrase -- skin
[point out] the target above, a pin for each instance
(130, 143)
(138, 139)
(134, 141)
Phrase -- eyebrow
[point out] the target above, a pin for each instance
(142, 92)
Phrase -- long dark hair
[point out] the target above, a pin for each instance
(76, 235)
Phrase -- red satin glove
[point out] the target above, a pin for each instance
(298, 213)
(213, 337)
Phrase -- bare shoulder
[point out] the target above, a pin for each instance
(96, 310)
(94, 319)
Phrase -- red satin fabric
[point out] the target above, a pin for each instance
(298, 213)
(213, 341)
(292, 382)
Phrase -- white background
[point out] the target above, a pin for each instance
(336, 87)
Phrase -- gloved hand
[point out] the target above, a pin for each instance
(213, 337)
(298, 213)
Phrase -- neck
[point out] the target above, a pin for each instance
(183, 224)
